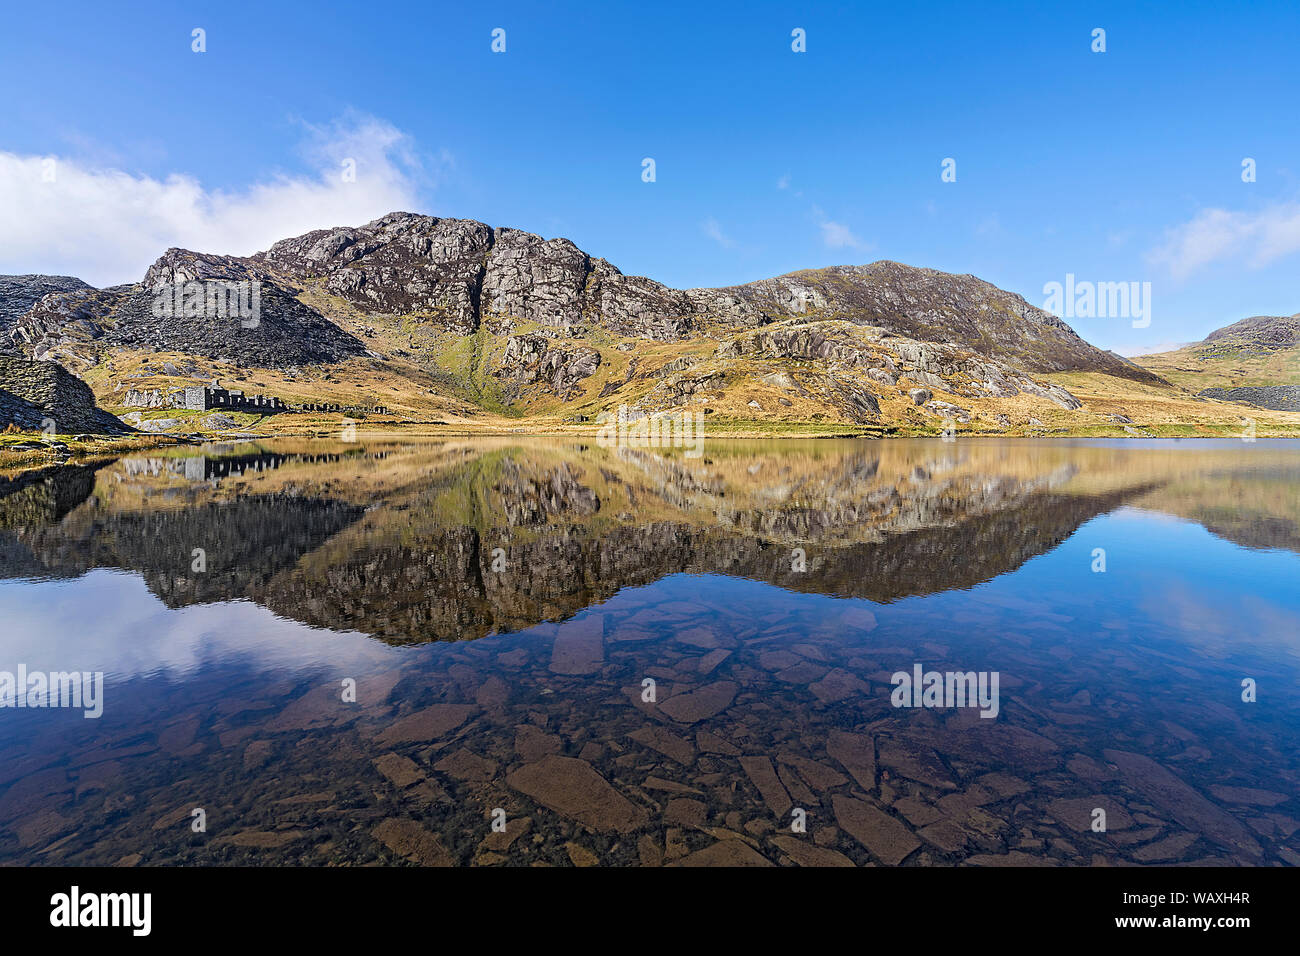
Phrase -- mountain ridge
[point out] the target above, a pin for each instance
(453, 319)
(465, 273)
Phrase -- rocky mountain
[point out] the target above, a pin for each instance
(465, 274)
(452, 316)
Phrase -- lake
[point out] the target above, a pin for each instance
(537, 651)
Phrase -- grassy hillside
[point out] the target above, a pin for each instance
(1200, 366)
(1261, 350)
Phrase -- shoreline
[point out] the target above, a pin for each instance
(40, 449)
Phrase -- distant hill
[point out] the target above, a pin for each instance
(1259, 333)
(1254, 361)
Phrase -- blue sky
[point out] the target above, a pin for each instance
(1122, 166)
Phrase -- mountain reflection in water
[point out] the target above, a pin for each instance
(768, 589)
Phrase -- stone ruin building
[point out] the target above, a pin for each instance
(342, 409)
(205, 398)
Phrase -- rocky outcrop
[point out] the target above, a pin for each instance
(45, 396)
(460, 273)
(535, 279)
(922, 304)
(676, 390)
(1282, 398)
(1259, 333)
(284, 333)
(944, 367)
(530, 359)
(182, 265)
(639, 307)
(71, 320)
(399, 264)
(806, 342)
(20, 293)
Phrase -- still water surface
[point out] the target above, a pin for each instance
(502, 605)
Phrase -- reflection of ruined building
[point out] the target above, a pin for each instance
(203, 467)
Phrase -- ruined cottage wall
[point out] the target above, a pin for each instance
(205, 398)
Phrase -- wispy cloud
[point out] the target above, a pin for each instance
(106, 225)
(783, 182)
(713, 229)
(1255, 239)
(836, 235)
(1129, 351)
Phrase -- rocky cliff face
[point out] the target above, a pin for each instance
(459, 272)
(400, 264)
(533, 358)
(20, 293)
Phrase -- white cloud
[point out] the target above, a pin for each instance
(108, 620)
(106, 226)
(1212, 235)
(836, 235)
(713, 229)
(1129, 351)
(783, 182)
